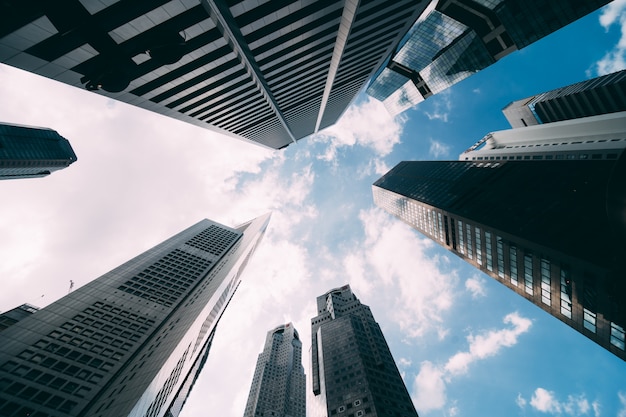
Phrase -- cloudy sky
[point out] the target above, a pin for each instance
(466, 345)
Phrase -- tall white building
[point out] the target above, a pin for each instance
(279, 384)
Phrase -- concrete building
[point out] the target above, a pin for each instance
(270, 72)
(352, 370)
(131, 342)
(32, 152)
(279, 384)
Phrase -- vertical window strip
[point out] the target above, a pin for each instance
(479, 247)
(589, 320)
(461, 235)
(528, 273)
(500, 253)
(488, 254)
(470, 250)
(618, 336)
(545, 282)
(566, 290)
(513, 265)
(440, 227)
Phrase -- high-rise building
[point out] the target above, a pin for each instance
(600, 95)
(454, 39)
(279, 384)
(32, 152)
(553, 231)
(594, 137)
(270, 72)
(131, 342)
(352, 370)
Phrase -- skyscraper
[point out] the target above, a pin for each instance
(32, 152)
(553, 231)
(270, 72)
(130, 343)
(454, 39)
(600, 95)
(279, 384)
(352, 370)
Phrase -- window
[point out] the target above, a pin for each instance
(566, 292)
(488, 254)
(461, 234)
(479, 248)
(341, 409)
(470, 251)
(618, 337)
(528, 273)
(545, 282)
(513, 265)
(589, 320)
(500, 258)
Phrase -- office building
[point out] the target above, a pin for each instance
(454, 39)
(270, 72)
(352, 370)
(600, 95)
(279, 384)
(131, 342)
(553, 231)
(32, 152)
(594, 137)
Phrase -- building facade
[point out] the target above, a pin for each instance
(552, 230)
(353, 373)
(270, 72)
(595, 137)
(454, 39)
(600, 95)
(131, 342)
(32, 152)
(279, 384)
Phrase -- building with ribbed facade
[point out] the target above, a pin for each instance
(271, 72)
(553, 231)
(133, 341)
(454, 39)
(352, 370)
(594, 137)
(600, 95)
(279, 384)
(32, 152)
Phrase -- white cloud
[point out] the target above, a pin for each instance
(442, 104)
(438, 149)
(622, 400)
(429, 389)
(615, 59)
(547, 402)
(476, 286)
(367, 124)
(404, 362)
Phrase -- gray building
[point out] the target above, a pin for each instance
(454, 39)
(32, 152)
(353, 373)
(131, 342)
(553, 231)
(271, 72)
(600, 95)
(279, 384)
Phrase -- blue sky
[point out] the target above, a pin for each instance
(466, 345)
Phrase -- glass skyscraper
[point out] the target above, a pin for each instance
(131, 342)
(454, 39)
(279, 384)
(352, 370)
(269, 72)
(551, 230)
(32, 152)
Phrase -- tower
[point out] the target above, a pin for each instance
(353, 372)
(600, 95)
(553, 231)
(454, 39)
(278, 386)
(268, 72)
(131, 342)
(32, 152)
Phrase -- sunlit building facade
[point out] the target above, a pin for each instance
(352, 370)
(269, 72)
(133, 341)
(32, 152)
(553, 231)
(454, 39)
(600, 95)
(279, 384)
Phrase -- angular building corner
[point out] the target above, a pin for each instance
(352, 369)
(133, 341)
(32, 152)
(279, 384)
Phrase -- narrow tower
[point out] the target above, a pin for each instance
(278, 386)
